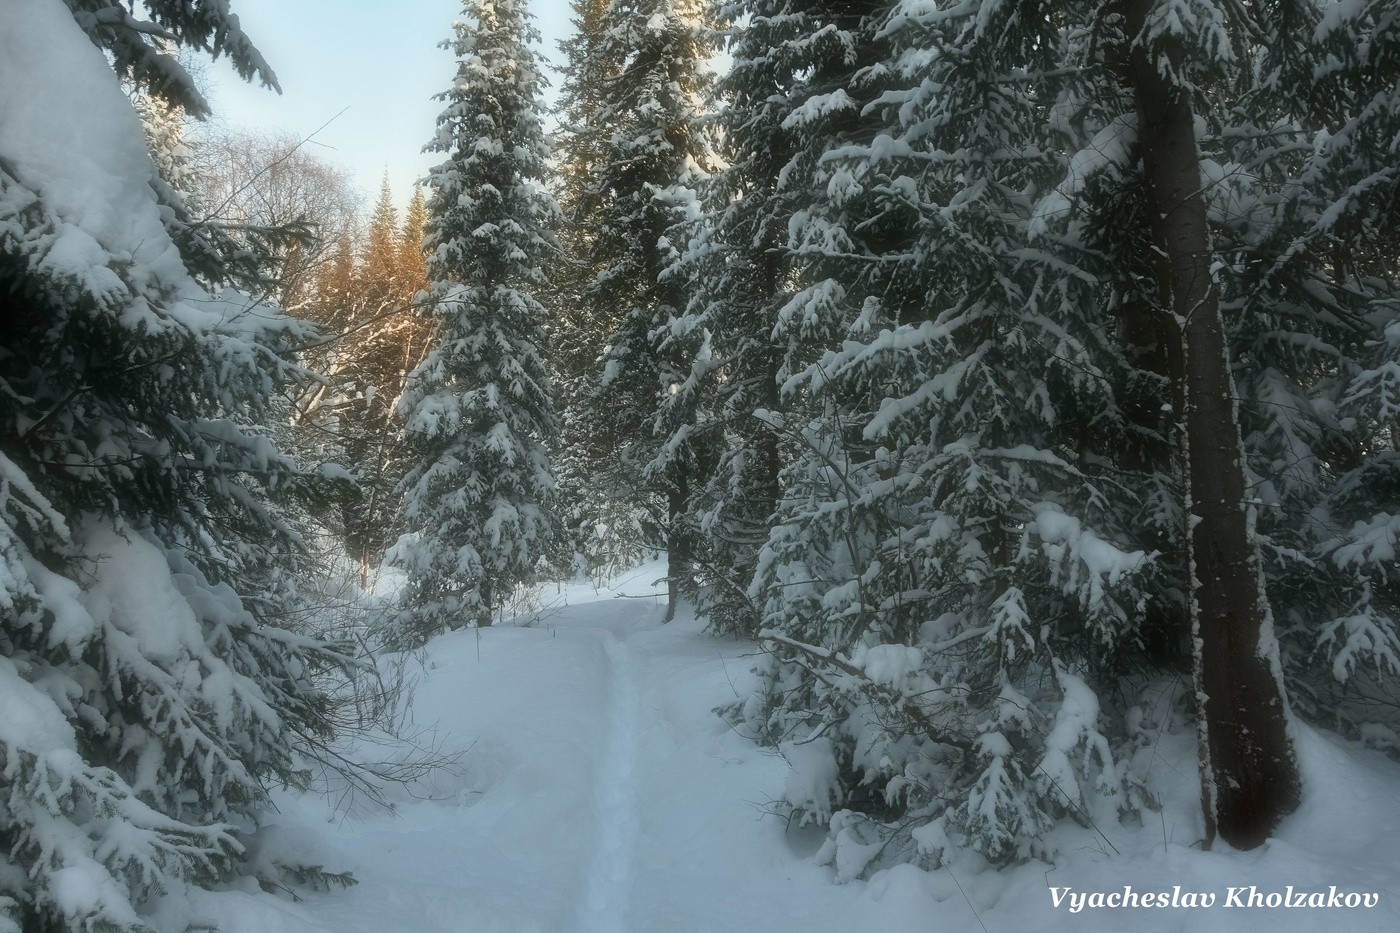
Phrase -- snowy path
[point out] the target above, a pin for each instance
(608, 890)
(601, 794)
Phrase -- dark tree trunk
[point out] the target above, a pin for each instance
(485, 613)
(774, 267)
(678, 553)
(1249, 775)
(769, 456)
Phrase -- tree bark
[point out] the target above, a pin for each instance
(485, 612)
(678, 553)
(1249, 774)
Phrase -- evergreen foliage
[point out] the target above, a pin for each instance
(951, 551)
(140, 49)
(767, 304)
(477, 411)
(601, 531)
(150, 538)
(1314, 314)
(994, 365)
(982, 524)
(632, 171)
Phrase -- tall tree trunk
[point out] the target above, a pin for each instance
(484, 612)
(370, 536)
(1248, 771)
(678, 553)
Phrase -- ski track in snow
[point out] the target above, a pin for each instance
(599, 793)
(608, 884)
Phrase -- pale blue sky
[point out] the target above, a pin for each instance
(377, 60)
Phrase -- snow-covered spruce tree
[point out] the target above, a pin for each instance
(602, 531)
(1277, 203)
(646, 69)
(1063, 265)
(1303, 200)
(149, 695)
(955, 563)
(477, 412)
(767, 308)
(580, 142)
(1298, 331)
(409, 246)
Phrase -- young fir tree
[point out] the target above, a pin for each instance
(148, 535)
(477, 412)
(648, 59)
(412, 271)
(381, 259)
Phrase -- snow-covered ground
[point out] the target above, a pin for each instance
(599, 793)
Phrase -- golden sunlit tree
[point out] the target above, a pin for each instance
(363, 297)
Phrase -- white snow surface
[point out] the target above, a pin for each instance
(600, 794)
(71, 139)
(82, 164)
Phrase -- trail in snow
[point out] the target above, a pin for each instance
(607, 890)
(599, 793)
